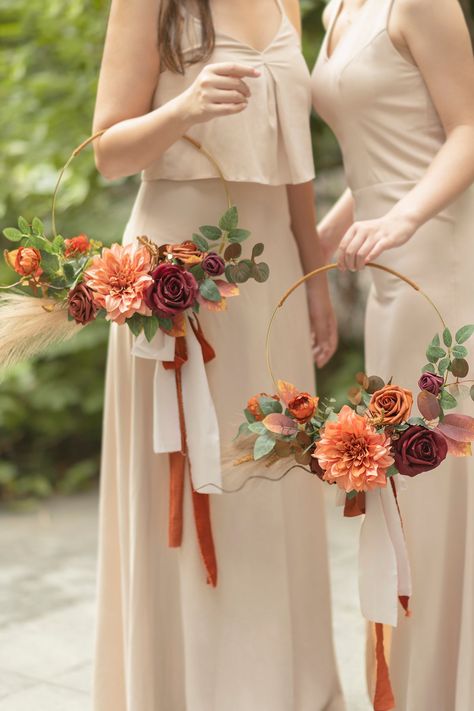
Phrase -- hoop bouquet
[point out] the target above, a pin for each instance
(365, 449)
(66, 282)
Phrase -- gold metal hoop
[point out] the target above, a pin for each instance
(322, 270)
(97, 135)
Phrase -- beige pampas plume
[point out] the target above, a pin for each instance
(30, 325)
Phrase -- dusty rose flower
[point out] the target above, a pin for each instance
(353, 454)
(391, 405)
(76, 245)
(82, 306)
(213, 264)
(119, 277)
(172, 290)
(253, 405)
(187, 252)
(302, 407)
(418, 450)
(26, 261)
(431, 382)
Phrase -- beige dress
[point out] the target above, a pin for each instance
(261, 640)
(389, 131)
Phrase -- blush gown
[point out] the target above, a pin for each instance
(381, 112)
(262, 640)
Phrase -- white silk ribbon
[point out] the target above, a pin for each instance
(384, 568)
(202, 428)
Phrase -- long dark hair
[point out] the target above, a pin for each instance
(170, 34)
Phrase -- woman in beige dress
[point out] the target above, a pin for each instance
(231, 75)
(395, 81)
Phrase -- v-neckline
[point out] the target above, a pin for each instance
(259, 52)
(331, 28)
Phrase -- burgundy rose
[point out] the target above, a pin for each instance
(419, 450)
(82, 307)
(213, 264)
(173, 290)
(431, 382)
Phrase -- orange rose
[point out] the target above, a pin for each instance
(25, 261)
(253, 405)
(303, 407)
(391, 405)
(77, 245)
(187, 253)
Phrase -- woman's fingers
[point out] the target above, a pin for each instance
(227, 97)
(231, 84)
(230, 69)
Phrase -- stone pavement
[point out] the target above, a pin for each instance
(47, 564)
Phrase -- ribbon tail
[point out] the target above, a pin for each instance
(202, 517)
(177, 477)
(384, 699)
(355, 506)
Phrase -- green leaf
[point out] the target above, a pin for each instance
(242, 271)
(49, 262)
(434, 353)
(392, 471)
(150, 327)
(230, 273)
(460, 368)
(24, 226)
(263, 446)
(210, 291)
(447, 338)
(448, 402)
(351, 495)
(464, 333)
(198, 272)
(58, 243)
(201, 243)
(268, 405)
(166, 324)
(471, 392)
(257, 428)
(40, 243)
(69, 272)
(261, 272)
(135, 323)
(258, 250)
(417, 421)
(436, 340)
(249, 416)
(429, 368)
(243, 430)
(12, 234)
(37, 225)
(211, 232)
(233, 251)
(229, 220)
(237, 235)
(443, 365)
(460, 351)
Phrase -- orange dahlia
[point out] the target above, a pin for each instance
(353, 454)
(119, 277)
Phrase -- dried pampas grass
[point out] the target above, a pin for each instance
(29, 325)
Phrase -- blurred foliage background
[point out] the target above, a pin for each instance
(51, 409)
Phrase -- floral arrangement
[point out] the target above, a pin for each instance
(376, 434)
(141, 285)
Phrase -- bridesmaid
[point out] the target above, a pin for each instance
(230, 74)
(395, 81)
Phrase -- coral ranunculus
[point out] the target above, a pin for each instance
(76, 245)
(119, 277)
(172, 291)
(302, 407)
(253, 405)
(27, 261)
(419, 450)
(391, 405)
(353, 454)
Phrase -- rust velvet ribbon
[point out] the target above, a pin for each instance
(178, 461)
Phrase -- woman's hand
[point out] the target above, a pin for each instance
(219, 90)
(323, 324)
(366, 240)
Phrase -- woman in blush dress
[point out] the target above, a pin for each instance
(230, 74)
(395, 81)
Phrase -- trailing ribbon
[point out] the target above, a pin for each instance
(185, 426)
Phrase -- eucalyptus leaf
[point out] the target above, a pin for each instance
(230, 219)
(233, 251)
(230, 273)
(269, 405)
(209, 290)
(261, 272)
(258, 250)
(211, 232)
(242, 272)
(448, 402)
(471, 392)
(459, 367)
(263, 446)
(243, 430)
(257, 428)
(248, 415)
(464, 333)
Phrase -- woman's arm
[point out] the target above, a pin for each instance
(136, 134)
(438, 40)
(335, 224)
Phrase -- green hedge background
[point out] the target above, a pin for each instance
(51, 409)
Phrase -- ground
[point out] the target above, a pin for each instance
(48, 560)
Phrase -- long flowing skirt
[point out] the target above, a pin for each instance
(261, 640)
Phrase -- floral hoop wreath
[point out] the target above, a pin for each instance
(158, 292)
(364, 448)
